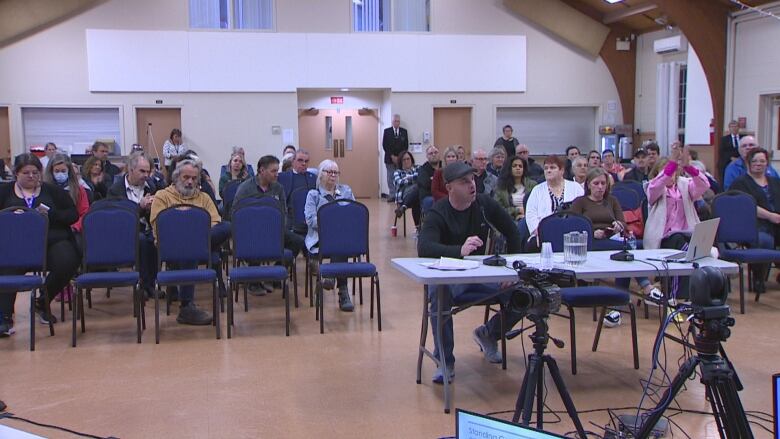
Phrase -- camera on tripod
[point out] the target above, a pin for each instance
(538, 291)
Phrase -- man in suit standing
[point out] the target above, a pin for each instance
(729, 148)
(394, 140)
(136, 187)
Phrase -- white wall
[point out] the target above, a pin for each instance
(753, 69)
(646, 67)
(50, 68)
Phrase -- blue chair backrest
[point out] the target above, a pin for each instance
(110, 238)
(23, 237)
(262, 200)
(286, 180)
(258, 233)
(627, 198)
(343, 229)
(737, 213)
(299, 204)
(229, 191)
(553, 227)
(634, 186)
(183, 235)
(114, 203)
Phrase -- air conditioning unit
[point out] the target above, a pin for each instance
(673, 44)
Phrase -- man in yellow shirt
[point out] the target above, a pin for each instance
(185, 190)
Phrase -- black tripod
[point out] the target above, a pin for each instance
(720, 381)
(533, 382)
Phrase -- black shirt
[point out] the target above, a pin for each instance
(445, 229)
(424, 179)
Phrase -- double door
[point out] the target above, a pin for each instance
(348, 137)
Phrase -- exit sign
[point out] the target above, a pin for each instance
(337, 99)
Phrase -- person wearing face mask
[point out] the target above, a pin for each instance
(62, 255)
(59, 172)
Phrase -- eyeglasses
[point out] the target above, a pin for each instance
(329, 172)
(481, 159)
(522, 152)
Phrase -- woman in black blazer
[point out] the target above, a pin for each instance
(766, 191)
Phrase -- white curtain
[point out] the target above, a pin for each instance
(667, 108)
(206, 13)
(411, 15)
(367, 15)
(253, 14)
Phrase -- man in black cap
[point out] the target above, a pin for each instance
(458, 226)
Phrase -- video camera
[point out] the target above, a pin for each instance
(538, 292)
(711, 315)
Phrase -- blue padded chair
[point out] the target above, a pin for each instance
(286, 180)
(639, 189)
(551, 229)
(629, 200)
(26, 232)
(183, 240)
(258, 236)
(228, 195)
(110, 241)
(289, 259)
(737, 213)
(298, 200)
(343, 232)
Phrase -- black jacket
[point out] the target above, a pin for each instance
(424, 180)
(394, 145)
(445, 229)
(119, 191)
(747, 185)
(726, 151)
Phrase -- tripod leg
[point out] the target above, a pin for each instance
(731, 414)
(713, 394)
(540, 395)
(525, 398)
(685, 372)
(555, 373)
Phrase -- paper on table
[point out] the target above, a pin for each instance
(450, 264)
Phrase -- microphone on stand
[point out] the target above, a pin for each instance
(496, 260)
(623, 255)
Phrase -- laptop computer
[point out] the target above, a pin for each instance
(700, 243)
(470, 425)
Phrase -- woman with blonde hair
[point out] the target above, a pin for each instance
(236, 170)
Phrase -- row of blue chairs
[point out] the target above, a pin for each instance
(110, 242)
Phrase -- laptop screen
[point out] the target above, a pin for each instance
(470, 425)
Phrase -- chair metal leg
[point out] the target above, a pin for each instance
(217, 306)
(371, 311)
(156, 316)
(378, 305)
(573, 341)
(32, 319)
(62, 307)
(138, 303)
(634, 341)
(231, 287)
(73, 323)
(286, 308)
(741, 290)
(502, 314)
(168, 304)
(89, 297)
(295, 281)
(598, 328)
(360, 288)
(321, 303)
(487, 315)
(82, 314)
(108, 293)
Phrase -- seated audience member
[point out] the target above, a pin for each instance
(611, 165)
(299, 177)
(137, 188)
(765, 190)
(605, 214)
(534, 171)
(454, 228)
(92, 175)
(461, 151)
(226, 169)
(328, 189)
(511, 189)
(185, 189)
(551, 196)
(496, 160)
(737, 168)
(49, 150)
(572, 152)
(486, 182)
(640, 170)
(205, 184)
(62, 254)
(425, 177)
(288, 155)
(237, 170)
(594, 159)
(172, 148)
(653, 154)
(714, 186)
(672, 213)
(579, 171)
(438, 188)
(110, 170)
(266, 183)
(507, 142)
(59, 172)
(407, 193)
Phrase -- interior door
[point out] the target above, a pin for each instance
(153, 127)
(452, 126)
(348, 137)
(5, 136)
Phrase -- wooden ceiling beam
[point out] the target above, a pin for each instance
(637, 9)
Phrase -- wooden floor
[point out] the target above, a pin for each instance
(351, 382)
